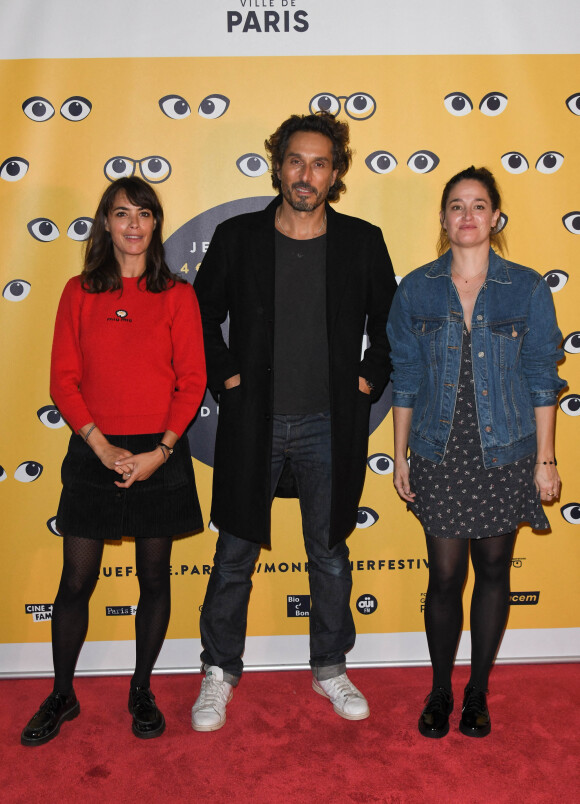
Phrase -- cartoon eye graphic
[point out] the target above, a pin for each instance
(43, 229)
(155, 169)
(252, 165)
(556, 279)
(458, 104)
(119, 167)
(570, 405)
(51, 525)
(381, 464)
(175, 107)
(80, 228)
(571, 513)
(493, 103)
(381, 162)
(14, 168)
(3, 474)
(549, 162)
(213, 106)
(573, 103)
(50, 417)
(16, 290)
(76, 108)
(28, 471)
(423, 161)
(324, 102)
(38, 109)
(514, 162)
(502, 222)
(572, 343)
(366, 517)
(360, 106)
(572, 222)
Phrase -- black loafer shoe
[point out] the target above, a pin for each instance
(434, 720)
(148, 721)
(46, 722)
(475, 720)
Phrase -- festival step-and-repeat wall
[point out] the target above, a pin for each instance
(79, 111)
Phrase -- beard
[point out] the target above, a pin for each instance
(303, 204)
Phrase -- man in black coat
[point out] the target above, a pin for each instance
(299, 282)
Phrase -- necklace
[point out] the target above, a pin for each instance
(283, 230)
(456, 272)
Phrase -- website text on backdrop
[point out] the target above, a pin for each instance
(475, 346)
(298, 281)
(127, 360)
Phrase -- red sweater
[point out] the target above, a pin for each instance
(130, 361)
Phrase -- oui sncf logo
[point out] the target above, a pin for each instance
(184, 251)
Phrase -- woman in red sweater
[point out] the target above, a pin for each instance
(128, 375)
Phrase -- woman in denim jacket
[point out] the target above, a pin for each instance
(474, 349)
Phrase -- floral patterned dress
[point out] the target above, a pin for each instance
(460, 498)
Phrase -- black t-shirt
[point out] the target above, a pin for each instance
(300, 338)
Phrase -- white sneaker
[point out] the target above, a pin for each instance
(209, 711)
(347, 701)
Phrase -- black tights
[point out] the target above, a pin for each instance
(70, 614)
(448, 560)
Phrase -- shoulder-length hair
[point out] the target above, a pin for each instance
(321, 123)
(487, 179)
(101, 270)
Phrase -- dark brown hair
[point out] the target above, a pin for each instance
(321, 123)
(101, 270)
(486, 178)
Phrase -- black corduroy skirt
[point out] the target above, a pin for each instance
(92, 506)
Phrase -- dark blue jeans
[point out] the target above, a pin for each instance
(304, 440)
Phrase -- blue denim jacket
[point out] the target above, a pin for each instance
(514, 345)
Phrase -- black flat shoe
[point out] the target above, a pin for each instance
(434, 720)
(148, 721)
(47, 721)
(475, 720)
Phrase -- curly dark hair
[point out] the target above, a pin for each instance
(487, 179)
(321, 123)
(101, 270)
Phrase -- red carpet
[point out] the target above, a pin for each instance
(283, 743)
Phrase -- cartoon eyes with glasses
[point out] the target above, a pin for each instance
(154, 169)
(359, 106)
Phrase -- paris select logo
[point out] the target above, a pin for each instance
(366, 604)
(120, 611)
(40, 611)
(298, 605)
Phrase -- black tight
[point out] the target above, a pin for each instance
(70, 615)
(448, 561)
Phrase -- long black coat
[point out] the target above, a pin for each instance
(236, 277)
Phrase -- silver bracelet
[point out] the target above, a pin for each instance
(89, 431)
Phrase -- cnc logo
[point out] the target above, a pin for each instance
(524, 598)
(366, 604)
(298, 606)
(120, 611)
(40, 611)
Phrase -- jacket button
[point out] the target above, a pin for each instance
(480, 318)
(488, 429)
(481, 354)
(484, 393)
(269, 370)
(494, 460)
